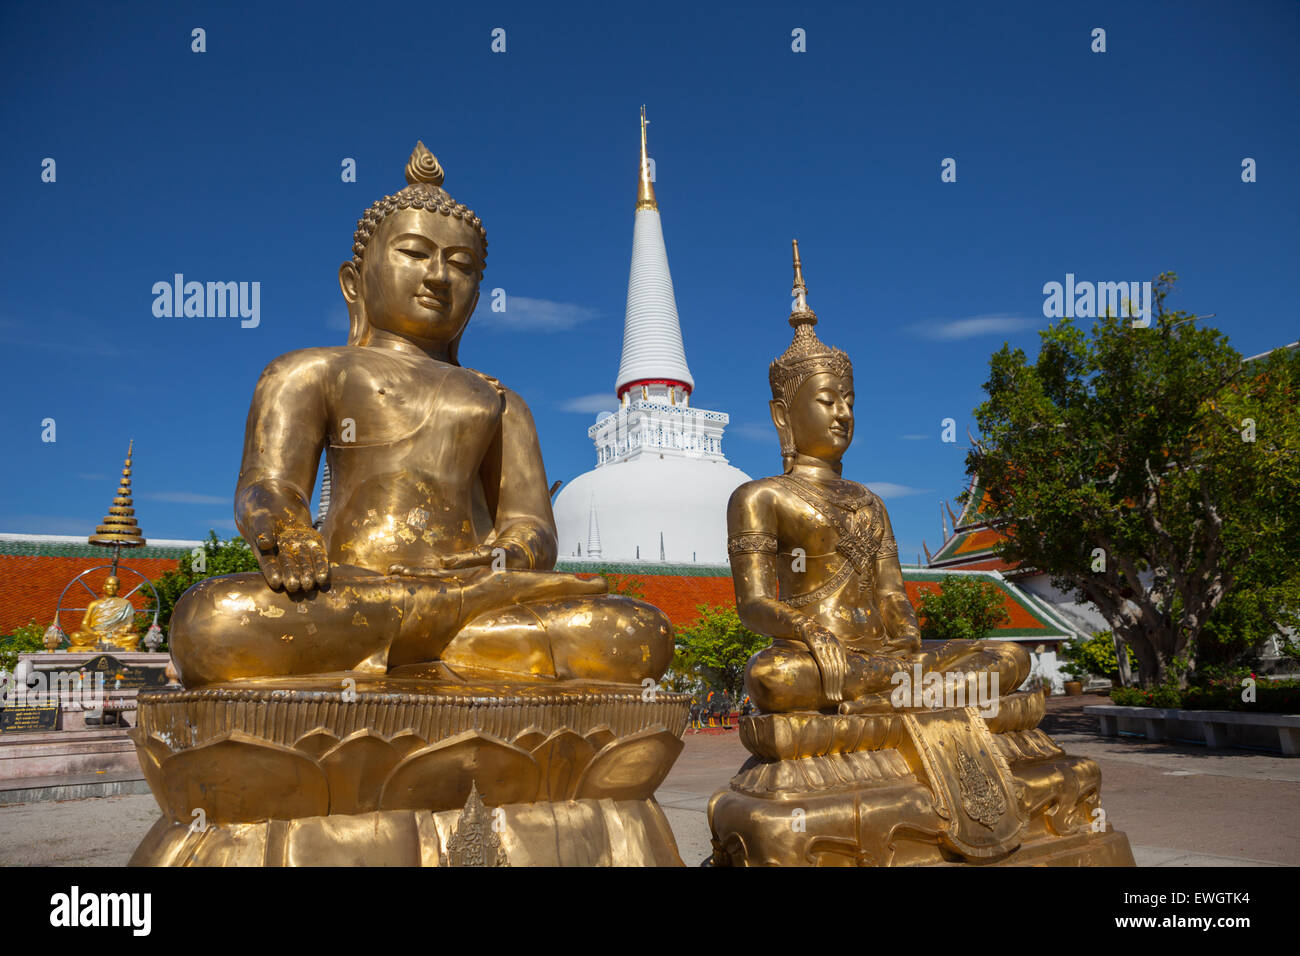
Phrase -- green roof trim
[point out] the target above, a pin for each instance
(22, 549)
(646, 569)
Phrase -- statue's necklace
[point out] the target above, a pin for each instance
(848, 500)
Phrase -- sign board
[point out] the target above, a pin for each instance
(38, 717)
(119, 675)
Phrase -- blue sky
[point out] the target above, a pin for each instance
(225, 166)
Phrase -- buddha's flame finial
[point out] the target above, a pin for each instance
(807, 354)
(800, 313)
(645, 193)
(800, 290)
(423, 167)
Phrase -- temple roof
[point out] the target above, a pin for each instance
(652, 334)
(971, 544)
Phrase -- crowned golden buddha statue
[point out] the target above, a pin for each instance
(852, 762)
(381, 680)
(439, 541)
(109, 621)
(814, 560)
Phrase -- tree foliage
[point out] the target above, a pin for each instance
(219, 557)
(967, 608)
(25, 639)
(1151, 472)
(716, 648)
(1094, 657)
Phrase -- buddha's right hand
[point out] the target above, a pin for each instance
(829, 654)
(292, 556)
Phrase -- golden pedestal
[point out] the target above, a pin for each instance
(912, 788)
(408, 772)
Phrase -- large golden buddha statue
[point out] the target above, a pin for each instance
(439, 542)
(853, 763)
(109, 620)
(814, 561)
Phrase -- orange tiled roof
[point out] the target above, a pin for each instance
(30, 586)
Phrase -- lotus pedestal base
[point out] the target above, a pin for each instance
(912, 788)
(408, 772)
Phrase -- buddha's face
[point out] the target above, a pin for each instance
(820, 419)
(111, 586)
(420, 275)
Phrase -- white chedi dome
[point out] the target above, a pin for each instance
(684, 499)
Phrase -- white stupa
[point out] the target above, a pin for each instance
(660, 486)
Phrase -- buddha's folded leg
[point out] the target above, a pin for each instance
(1007, 659)
(235, 626)
(438, 608)
(598, 637)
(785, 677)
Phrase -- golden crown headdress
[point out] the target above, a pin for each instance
(807, 354)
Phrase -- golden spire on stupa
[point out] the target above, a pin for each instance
(645, 191)
(119, 527)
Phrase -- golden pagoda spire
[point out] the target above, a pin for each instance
(119, 528)
(645, 193)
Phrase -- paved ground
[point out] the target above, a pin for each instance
(1180, 806)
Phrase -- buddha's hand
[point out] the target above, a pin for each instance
(292, 556)
(829, 654)
(908, 642)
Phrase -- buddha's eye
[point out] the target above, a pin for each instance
(461, 263)
(414, 253)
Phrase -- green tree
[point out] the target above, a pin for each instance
(1095, 656)
(26, 639)
(966, 608)
(219, 557)
(623, 584)
(1147, 470)
(716, 648)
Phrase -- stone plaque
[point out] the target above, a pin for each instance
(116, 674)
(29, 717)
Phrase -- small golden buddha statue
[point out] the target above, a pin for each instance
(436, 555)
(109, 620)
(814, 560)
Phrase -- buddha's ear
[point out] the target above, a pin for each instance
(780, 415)
(350, 283)
(453, 349)
(781, 419)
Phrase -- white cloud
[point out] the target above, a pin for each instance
(754, 431)
(523, 314)
(887, 489)
(973, 327)
(185, 498)
(591, 404)
(45, 524)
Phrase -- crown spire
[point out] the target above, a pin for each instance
(806, 354)
(800, 313)
(645, 191)
(119, 527)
